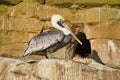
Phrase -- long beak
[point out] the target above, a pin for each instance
(72, 33)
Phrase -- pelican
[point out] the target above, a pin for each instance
(50, 41)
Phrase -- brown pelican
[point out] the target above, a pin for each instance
(50, 41)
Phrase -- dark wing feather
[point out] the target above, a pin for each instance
(43, 41)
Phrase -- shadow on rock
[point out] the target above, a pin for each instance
(96, 57)
(83, 50)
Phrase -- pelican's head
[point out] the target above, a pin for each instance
(59, 23)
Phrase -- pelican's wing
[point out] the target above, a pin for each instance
(43, 41)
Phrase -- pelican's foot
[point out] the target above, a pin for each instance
(51, 57)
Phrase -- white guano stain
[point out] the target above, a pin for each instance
(12, 12)
(118, 15)
(112, 46)
(86, 29)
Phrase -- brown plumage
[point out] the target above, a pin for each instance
(46, 43)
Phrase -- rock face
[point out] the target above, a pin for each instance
(54, 69)
(104, 36)
(98, 20)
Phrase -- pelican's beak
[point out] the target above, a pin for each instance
(65, 25)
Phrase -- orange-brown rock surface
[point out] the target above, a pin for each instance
(55, 69)
(99, 20)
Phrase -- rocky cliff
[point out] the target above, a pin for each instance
(96, 23)
(55, 69)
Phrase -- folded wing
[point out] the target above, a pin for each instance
(43, 41)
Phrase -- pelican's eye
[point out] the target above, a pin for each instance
(60, 23)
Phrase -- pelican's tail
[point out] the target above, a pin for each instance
(26, 52)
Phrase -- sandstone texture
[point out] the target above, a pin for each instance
(99, 20)
(55, 69)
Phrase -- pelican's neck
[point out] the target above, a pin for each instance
(55, 19)
(64, 30)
